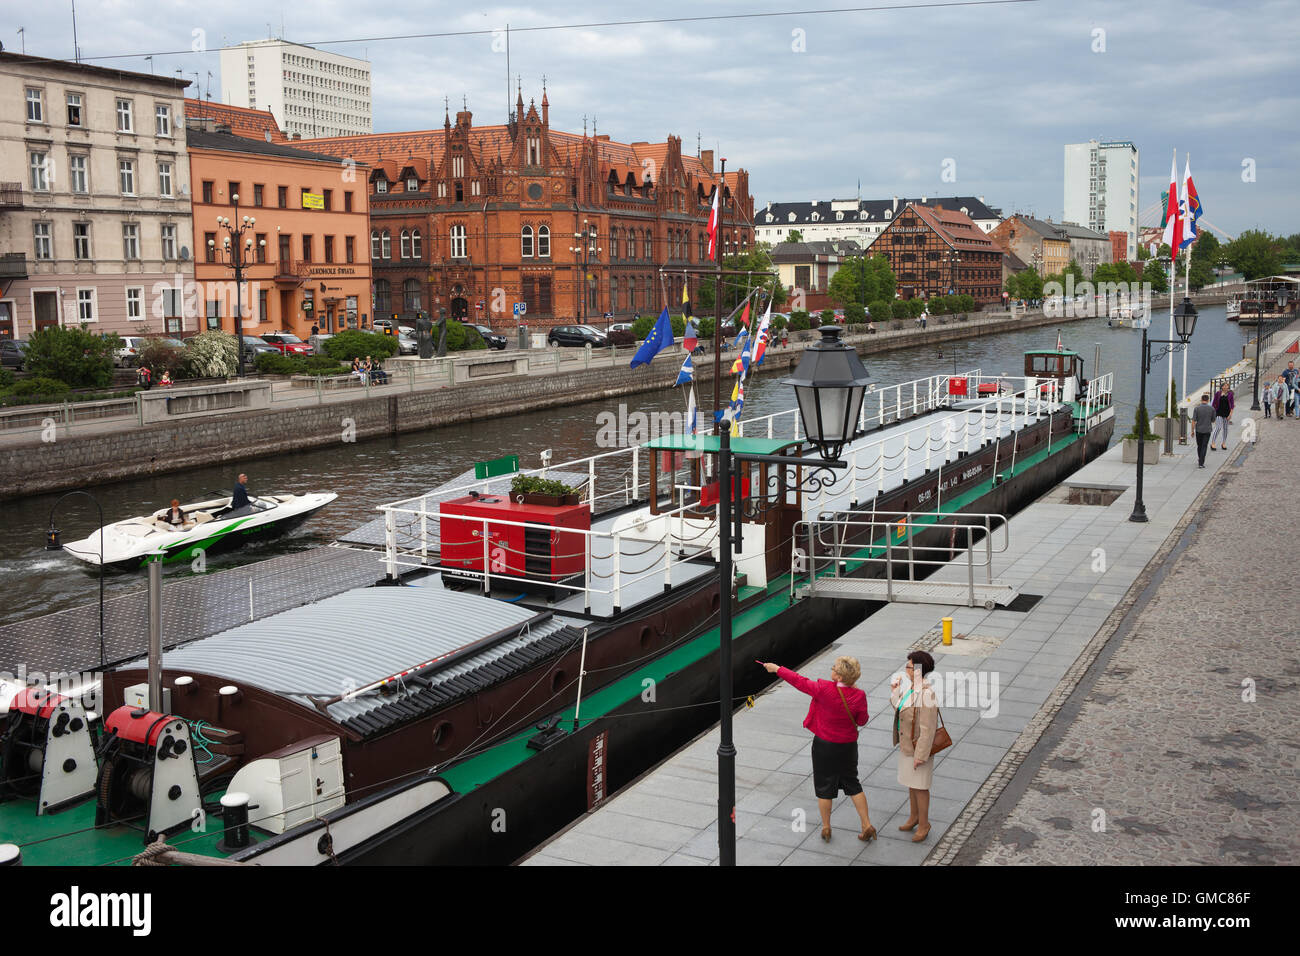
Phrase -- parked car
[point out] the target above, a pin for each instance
(128, 356)
(493, 340)
(576, 335)
(392, 327)
(12, 352)
(317, 342)
(407, 345)
(287, 342)
(254, 346)
(621, 327)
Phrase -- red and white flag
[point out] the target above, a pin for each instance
(713, 222)
(1173, 236)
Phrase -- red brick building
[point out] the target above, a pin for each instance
(1118, 246)
(938, 251)
(474, 219)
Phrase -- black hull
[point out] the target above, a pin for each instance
(544, 794)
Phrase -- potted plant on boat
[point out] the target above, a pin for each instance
(531, 490)
(1141, 427)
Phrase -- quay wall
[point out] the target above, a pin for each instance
(31, 466)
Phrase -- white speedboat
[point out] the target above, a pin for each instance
(209, 526)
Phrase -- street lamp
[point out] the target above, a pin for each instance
(1259, 335)
(1184, 325)
(829, 384)
(52, 543)
(585, 244)
(237, 257)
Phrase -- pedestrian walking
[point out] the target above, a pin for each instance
(1267, 398)
(915, 724)
(1203, 420)
(1290, 378)
(835, 713)
(1280, 397)
(1224, 403)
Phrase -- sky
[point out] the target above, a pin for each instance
(986, 94)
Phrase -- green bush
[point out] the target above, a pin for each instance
(213, 354)
(827, 317)
(44, 387)
(967, 302)
(879, 310)
(777, 325)
(353, 343)
(1141, 424)
(799, 321)
(532, 484)
(854, 314)
(159, 356)
(75, 356)
(622, 338)
(460, 338)
(6, 378)
(273, 363)
(915, 307)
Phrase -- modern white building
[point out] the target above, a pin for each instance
(1101, 187)
(309, 91)
(859, 220)
(95, 224)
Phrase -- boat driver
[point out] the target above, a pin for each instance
(239, 499)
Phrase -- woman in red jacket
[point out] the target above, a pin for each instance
(837, 710)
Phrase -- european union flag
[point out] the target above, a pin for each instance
(660, 337)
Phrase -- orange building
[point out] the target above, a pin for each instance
(309, 262)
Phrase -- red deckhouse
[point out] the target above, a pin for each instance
(475, 219)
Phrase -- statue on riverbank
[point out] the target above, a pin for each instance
(424, 335)
(442, 333)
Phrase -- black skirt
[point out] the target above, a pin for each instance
(835, 768)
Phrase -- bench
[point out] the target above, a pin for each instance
(326, 381)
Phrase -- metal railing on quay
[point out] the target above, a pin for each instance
(840, 557)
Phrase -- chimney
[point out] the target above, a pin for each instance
(923, 200)
(769, 205)
(706, 157)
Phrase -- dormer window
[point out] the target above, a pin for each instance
(381, 185)
(839, 216)
(792, 217)
(412, 184)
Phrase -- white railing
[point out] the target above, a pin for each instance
(811, 545)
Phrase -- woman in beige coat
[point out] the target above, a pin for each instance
(916, 718)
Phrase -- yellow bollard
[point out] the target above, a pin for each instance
(947, 631)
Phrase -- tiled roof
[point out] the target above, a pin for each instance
(1072, 231)
(228, 142)
(806, 251)
(864, 210)
(250, 123)
(956, 228)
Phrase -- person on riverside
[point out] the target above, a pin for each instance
(1224, 403)
(1203, 417)
(915, 724)
(836, 712)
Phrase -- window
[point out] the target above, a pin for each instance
(81, 240)
(406, 244)
(458, 249)
(162, 121)
(135, 304)
(347, 201)
(544, 242)
(168, 241)
(383, 297)
(44, 244)
(232, 193)
(328, 199)
(282, 195)
(613, 294)
(412, 184)
(329, 248)
(126, 176)
(74, 109)
(460, 192)
(802, 276)
(649, 245)
(35, 107)
(526, 242)
(85, 305)
(210, 246)
(263, 306)
(257, 194)
(411, 295)
(259, 247)
(124, 122)
(306, 248)
(381, 185)
(214, 313)
(285, 254)
(374, 243)
(77, 174)
(39, 164)
(349, 249)
(130, 240)
(386, 245)
(165, 180)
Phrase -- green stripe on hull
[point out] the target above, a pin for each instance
(189, 550)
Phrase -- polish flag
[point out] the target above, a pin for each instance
(713, 222)
(1173, 236)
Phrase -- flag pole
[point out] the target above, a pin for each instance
(1173, 261)
(717, 297)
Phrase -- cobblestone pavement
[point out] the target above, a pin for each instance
(1183, 750)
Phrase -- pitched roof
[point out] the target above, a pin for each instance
(228, 142)
(1048, 230)
(956, 228)
(1074, 231)
(251, 123)
(864, 210)
(807, 251)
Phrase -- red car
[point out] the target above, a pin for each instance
(287, 342)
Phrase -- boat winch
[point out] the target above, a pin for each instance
(148, 770)
(46, 751)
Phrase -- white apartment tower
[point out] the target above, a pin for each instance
(1101, 187)
(310, 92)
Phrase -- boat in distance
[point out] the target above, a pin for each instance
(209, 526)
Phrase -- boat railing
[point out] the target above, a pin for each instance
(615, 478)
(836, 548)
(1097, 395)
(657, 553)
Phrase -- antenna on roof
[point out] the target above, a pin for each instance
(76, 52)
(508, 114)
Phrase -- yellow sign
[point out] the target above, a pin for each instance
(313, 201)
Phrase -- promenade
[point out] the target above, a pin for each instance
(1057, 759)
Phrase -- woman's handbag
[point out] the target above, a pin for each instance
(942, 739)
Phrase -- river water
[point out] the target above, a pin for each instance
(369, 473)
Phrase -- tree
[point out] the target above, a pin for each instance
(794, 235)
(76, 356)
(1072, 269)
(1201, 274)
(1154, 273)
(1254, 254)
(844, 287)
(854, 314)
(1207, 248)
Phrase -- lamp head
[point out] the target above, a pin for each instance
(829, 384)
(52, 542)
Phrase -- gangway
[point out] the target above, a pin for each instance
(876, 559)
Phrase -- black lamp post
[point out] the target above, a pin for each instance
(1184, 325)
(1259, 335)
(52, 543)
(585, 243)
(828, 384)
(237, 256)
